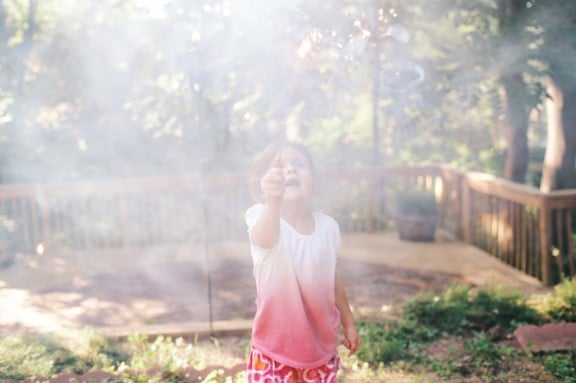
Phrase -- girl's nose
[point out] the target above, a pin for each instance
(289, 166)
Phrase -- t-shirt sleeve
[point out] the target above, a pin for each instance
(252, 215)
(259, 254)
(337, 237)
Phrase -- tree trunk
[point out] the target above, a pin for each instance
(515, 126)
(513, 92)
(559, 170)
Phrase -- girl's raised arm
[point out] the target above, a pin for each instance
(266, 231)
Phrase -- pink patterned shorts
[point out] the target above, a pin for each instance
(263, 369)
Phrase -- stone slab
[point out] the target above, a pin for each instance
(549, 337)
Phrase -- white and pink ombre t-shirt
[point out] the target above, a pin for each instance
(297, 322)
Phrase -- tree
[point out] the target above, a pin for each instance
(19, 28)
(514, 91)
(558, 19)
(131, 88)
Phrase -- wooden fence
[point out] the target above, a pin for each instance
(521, 226)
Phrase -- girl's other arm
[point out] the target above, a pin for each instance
(351, 337)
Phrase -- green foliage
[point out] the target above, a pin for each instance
(458, 309)
(499, 306)
(381, 343)
(478, 356)
(97, 351)
(414, 202)
(455, 322)
(481, 352)
(123, 88)
(164, 353)
(131, 360)
(444, 312)
(562, 366)
(559, 306)
(459, 320)
(23, 356)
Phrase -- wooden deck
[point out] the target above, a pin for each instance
(446, 255)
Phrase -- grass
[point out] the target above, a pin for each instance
(460, 334)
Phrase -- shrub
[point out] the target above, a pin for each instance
(445, 312)
(565, 310)
(559, 306)
(22, 356)
(459, 309)
(497, 306)
(380, 344)
(562, 366)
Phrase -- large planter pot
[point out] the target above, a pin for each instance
(419, 228)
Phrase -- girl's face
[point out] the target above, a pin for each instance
(298, 174)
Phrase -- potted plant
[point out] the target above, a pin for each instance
(416, 215)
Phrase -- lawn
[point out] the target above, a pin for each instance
(460, 334)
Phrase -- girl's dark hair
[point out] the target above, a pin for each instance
(263, 161)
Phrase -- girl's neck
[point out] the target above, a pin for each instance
(295, 213)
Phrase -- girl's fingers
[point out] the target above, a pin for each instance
(352, 346)
(272, 184)
(347, 343)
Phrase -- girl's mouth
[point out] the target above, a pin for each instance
(292, 182)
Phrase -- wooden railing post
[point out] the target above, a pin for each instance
(45, 233)
(371, 185)
(465, 210)
(545, 241)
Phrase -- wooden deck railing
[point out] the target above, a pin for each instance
(521, 226)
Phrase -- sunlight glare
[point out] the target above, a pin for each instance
(304, 48)
(155, 8)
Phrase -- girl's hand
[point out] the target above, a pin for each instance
(351, 340)
(272, 184)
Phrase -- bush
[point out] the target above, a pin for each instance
(459, 309)
(559, 306)
(24, 356)
(380, 344)
(445, 312)
(565, 308)
(491, 307)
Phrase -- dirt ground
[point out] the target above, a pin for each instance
(167, 286)
(164, 286)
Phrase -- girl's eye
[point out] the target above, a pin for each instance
(298, 164)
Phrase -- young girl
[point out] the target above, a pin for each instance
(300, 301)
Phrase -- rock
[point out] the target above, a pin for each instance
(549, 337)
